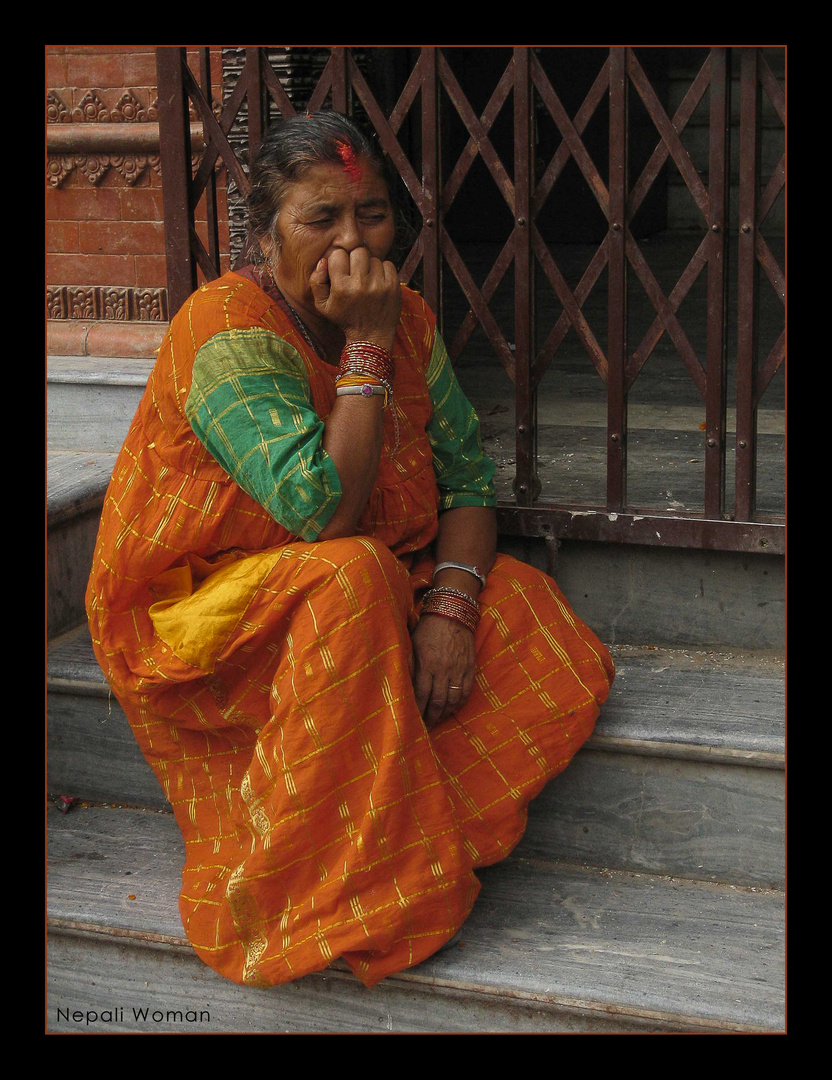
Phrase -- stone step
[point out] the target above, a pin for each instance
(549, 947)
(91, 401)
(76, 484)
(684, 774)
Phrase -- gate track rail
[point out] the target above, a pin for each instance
(342, 83)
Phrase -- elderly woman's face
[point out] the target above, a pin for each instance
(329, 208)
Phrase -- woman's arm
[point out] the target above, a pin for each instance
(444, 658)
(468, 535)
(353, 439)
(362, 297)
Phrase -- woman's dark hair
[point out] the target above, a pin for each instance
(289, 148)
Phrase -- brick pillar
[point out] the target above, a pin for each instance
(106, 275)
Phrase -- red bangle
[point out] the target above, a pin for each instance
(453, 604)
(366, 358)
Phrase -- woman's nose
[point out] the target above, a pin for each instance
(350, 234)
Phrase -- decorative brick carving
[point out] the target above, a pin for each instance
(93, 166)
(83, 301)
(115, 303)
(106, 302)
(130, 166)
(56, 302)
(58, 169)
(56, 111)
(150, 305)
(92, 109)
(130, 110)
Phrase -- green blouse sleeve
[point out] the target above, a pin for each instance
(250, 406)
(464, 472)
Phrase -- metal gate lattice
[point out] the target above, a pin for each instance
(412, 131)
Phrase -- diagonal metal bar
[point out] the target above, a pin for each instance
(766, 259)
(681, 117)
(385, 132)
(571, 305)
(667, 314)
(597, 92)
(680, 290)
(565, 321)
(571, 302)
(492, 281)
(776, 183)
(213, 130)
(477, 302)
(572, 137)
(473, 147)
(391, 145)
(203, 258)
(769, 368)
(407, 98)
(776, 93)
(212, 150)
(668, 133)
(642, 186)
(275, 89)
(479, 311)
(651, 170)
(323, 86)
(469, 118)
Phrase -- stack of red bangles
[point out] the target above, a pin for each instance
(364, 362)
(367, 369)
(454, 604)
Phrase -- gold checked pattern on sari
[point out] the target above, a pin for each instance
(266, 675)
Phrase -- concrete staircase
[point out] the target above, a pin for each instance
(646, 896)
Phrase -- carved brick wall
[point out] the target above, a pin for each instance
(105, 223)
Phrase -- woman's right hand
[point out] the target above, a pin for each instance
(359, 294)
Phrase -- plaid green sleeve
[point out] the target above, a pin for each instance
(464, 473)
(250, 406)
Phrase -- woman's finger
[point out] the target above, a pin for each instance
(361, 262)
(319, 282)
(423, 688)
(459, 690)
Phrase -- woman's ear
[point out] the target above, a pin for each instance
(267, 248)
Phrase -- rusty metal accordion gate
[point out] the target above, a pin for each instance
(521, 93)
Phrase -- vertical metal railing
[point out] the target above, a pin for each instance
(717, 257)
(434, 183)
(617, 323)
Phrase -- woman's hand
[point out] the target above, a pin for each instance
(359, 294)
(444, 664)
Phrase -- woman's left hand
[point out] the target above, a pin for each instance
(444, 664)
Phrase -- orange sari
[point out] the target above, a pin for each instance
(267, 682)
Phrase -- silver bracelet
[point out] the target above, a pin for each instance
(365, 390)
(475, 570)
